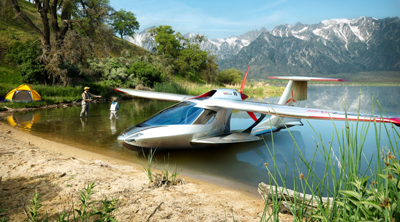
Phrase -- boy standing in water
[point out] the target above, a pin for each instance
(114, 108)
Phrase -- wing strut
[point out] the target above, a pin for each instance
(248, 130)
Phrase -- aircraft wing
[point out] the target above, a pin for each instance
(296, 112)
(154, 95)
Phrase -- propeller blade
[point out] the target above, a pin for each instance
(252, 115)
(244, 79)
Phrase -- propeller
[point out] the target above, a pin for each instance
(251, 114)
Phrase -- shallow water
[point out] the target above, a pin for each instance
(236, 166)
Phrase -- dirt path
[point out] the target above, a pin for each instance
(59, 171)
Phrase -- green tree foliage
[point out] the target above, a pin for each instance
(113, 72)
(124, 23)
(165, 40)
(69, 31)
(146, 73)
(229, 76)
(210, 72)
(187, 57)
(26, 56)
(191, 57)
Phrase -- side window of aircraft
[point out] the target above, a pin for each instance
(183, 113)
(206, 117)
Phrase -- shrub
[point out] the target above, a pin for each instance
(26, 56)
(146, 73)
(229, 76)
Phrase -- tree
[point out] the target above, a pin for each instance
(146, 73)
(193, 56)
(229, 76)
(70, 22)
(124, 23)
(211, 68)
(166, 41)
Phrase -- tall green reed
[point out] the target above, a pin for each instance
(168, 176)
(148, 166)
(353, 194)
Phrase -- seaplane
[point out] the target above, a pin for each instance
(204, 120)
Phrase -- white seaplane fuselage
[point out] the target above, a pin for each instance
(188, 124)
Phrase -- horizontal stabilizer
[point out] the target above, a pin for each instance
(303, 78)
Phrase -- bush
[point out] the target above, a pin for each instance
(26, 56)
(114, 72)
(146, 73)
(229, 76)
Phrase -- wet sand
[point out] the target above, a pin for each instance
(58, 172)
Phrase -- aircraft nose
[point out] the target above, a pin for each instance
(121, 138)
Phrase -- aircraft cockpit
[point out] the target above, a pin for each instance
(184, 113)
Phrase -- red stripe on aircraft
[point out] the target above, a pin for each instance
(209, 93)
(120, 91)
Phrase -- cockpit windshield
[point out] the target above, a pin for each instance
(184, 113)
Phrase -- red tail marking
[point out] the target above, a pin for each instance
(291, 99)
(244, 79)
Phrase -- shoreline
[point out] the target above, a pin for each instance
(59, 171)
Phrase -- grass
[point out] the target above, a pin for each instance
(354, 194)
(148, 166)
(168, 176)
(87, 211)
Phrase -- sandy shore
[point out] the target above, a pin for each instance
(59, 171)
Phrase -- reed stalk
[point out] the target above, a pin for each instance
(352, 194)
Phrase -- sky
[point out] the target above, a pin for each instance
(226, 18)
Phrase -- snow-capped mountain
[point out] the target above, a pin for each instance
(223, 48)
(329, 47)
(228, 47)
(142, 39)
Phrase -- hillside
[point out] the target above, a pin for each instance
(15, 30)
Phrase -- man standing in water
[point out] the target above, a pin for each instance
(86, 99)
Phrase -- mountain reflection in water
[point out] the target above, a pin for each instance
(238, 166)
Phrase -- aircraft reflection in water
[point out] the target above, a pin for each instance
(204, 120)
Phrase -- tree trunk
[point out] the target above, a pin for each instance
(43, 34)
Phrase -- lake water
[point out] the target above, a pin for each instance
(237, 166)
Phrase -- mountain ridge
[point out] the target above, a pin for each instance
(329, 47)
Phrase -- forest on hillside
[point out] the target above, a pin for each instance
(57, 42)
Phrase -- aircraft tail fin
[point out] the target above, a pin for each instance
(293, 95)
(296, 89)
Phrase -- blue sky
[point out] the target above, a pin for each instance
(225, 18)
